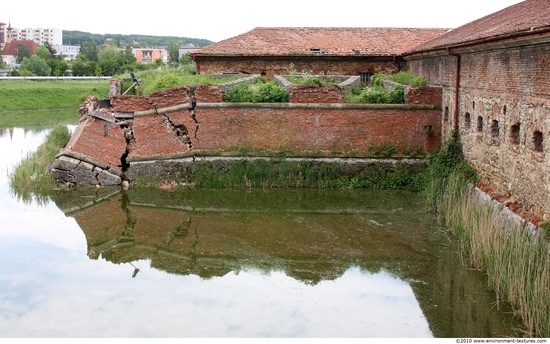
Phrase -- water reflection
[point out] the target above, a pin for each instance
(407, 282)
(226, 263)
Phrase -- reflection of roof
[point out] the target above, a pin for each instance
(10, 48)
(527, 17)
(279, 41)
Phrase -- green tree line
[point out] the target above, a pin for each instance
(93, 60)
(136, 41)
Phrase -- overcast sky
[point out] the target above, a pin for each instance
(217, 20)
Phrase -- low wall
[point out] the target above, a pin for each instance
(133, 135)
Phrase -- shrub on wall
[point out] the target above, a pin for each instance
(379, 95)
(259, 92)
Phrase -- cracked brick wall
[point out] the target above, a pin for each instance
(112, 143)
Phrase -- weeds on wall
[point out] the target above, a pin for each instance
(259, 92)
(377, 94)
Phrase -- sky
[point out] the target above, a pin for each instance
(217, 20)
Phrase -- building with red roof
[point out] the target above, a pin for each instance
(9, 54)
(328, 51)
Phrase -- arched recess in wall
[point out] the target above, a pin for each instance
(514, 134)
(479, 124)
(467, 120)
(537, 141)
(495, 132)
(446, 114)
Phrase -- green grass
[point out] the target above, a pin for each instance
(282, 173)
(37, 118)
(48, 94)
(167, 77)
(31, 178)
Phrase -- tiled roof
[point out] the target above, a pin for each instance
(524, 17)
(10, 49)
(278, 41)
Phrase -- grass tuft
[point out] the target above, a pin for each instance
(31, 179)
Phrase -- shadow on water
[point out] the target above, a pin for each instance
(311, 235)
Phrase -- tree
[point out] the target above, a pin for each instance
(22, 52)
(43, 52)
(59, 66)
(88, 52)
(174, 51)
(48, 46)
(36, 65)
(128, 53)
(111, 60)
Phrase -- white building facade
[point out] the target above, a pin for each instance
(40, 36)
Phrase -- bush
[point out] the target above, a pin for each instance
(379, 95)
(259, 92)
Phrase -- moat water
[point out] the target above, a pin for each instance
(231, 263)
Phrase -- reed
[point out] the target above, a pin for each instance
(31, 179)
(516, 261)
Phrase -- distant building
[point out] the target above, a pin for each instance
(68, 52)
(40, 36)
(9, 54)
(186, 49)
(150, 55)
(2, 35)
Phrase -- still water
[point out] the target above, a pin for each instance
(231, 263)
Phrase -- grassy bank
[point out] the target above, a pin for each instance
(31, 179)
(37, 118)
(516, 262)
(35, 95)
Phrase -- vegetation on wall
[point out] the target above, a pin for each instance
(167, 76)
(259, 92)
(376, 93)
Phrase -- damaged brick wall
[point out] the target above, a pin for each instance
(171, 124)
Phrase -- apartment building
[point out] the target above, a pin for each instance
(2, 35)
(39, 36)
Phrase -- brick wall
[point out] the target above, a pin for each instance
(315, 130)
(504, 104)
(315, 94)
(283, 66)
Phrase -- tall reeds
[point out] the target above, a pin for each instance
(31, 178)
(515, 259)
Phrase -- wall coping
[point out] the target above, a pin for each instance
(321, 106)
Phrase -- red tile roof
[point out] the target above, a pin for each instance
(10, 49)
(278, 41)
(529, 16)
